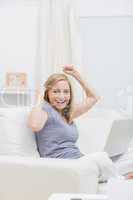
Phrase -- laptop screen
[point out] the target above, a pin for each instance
(119, 137)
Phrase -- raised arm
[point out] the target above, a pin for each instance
(90, 99)
(37, 117)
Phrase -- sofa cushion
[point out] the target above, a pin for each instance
(15, 137)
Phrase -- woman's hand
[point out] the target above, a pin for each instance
(70, 70)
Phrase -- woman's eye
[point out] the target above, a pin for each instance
(55, 91)
(66, 91)
(58, 91)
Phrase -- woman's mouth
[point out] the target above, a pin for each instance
(61, 103)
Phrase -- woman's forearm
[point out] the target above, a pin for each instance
(86, 87)
(70, 70)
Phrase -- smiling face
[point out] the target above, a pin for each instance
(59, 95)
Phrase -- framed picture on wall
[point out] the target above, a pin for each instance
(16, 80)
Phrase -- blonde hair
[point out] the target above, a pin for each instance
(54, 78)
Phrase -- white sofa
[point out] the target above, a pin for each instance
(24, 175)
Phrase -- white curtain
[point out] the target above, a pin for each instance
(58, 37)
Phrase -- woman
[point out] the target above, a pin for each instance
(53, 121)
(56, 133)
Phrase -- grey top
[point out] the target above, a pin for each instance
(57, 138)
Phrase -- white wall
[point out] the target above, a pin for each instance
(105, 7)
(107, 44)
(18, 37)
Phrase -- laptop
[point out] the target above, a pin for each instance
(120, 137)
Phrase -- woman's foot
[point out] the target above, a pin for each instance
(129, 175)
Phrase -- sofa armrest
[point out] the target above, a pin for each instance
(37, 178)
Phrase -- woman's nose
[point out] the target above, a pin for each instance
(61, 95)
